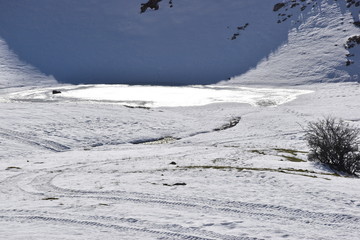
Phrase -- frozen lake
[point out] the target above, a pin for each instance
(160, 96)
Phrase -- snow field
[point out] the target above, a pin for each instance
(250, 181)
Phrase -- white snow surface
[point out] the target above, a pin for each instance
(225, 161)
(99, 169)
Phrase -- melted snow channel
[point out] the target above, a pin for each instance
(162, 96)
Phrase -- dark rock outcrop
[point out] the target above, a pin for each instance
(278, 6)
(152, 4)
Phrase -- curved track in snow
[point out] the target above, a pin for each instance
(43, 185)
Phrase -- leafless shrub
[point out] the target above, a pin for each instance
(334, 143)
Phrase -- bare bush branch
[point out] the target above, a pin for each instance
(334, 142)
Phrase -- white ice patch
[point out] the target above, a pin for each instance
(161, 96)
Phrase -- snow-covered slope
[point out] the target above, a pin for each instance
(92, 41)
(315, 50)
(225, 171)
(223, 162)
(15, 73)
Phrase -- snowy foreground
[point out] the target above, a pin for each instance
(86, 164)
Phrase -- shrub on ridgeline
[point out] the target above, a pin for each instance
(334, 143)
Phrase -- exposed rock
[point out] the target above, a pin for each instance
(234, 36)
(239, 28)
(152, 4)
(278, 6)
(357, 23)
(352, 42)
(349, 62)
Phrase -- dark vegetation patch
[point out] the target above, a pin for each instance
(290, 151)
(104, 204)
(258, 152)
(292, 154)
(334, 143)
(292, 159)
(293, 171)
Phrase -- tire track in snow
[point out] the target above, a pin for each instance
(34, 141)
(40, 183)
(121, 224)
(262, 212)
(84, 223)
(14, 185)
(237, 208)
